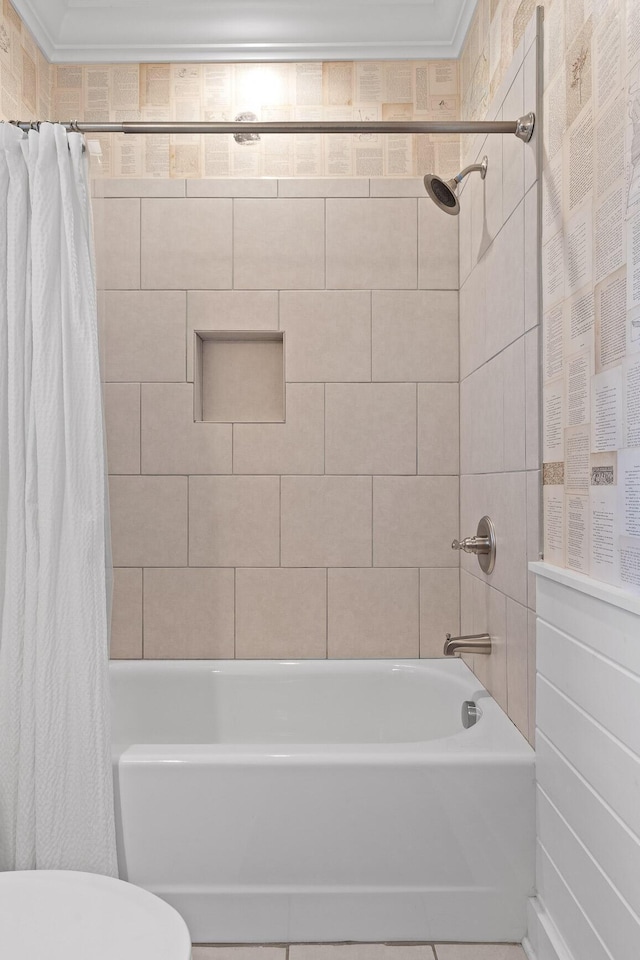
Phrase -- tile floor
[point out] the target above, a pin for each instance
(364, 951)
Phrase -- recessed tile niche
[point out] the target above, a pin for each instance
(239, 376)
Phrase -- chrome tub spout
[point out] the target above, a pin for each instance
(473, 643)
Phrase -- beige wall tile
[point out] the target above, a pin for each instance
(233, 187)
(397, 187)
(438, 428)
(439, 608)
(117, 242)
(511, 519)
(414, 521)
(438, 254)
(464, 233)
(482, 419)
(415, 335)
(171, 441)
(532, 387)
(243, 380)
(278, 244)
(479, 495)
(281, 613)
(234, 521)
(505, 300)
(476, 199)
(489, 194)
(531, 257)
(122, 422)
(186, 244)
(188, 614)
(326, 521)
(328, 334)
(503, 497)
(466, 602)
(126, 614)
(513, 373)
(144, 335)
(373, 613)
(512, 158)
(530, 69)
(370, 428)
(473, 320)
(148, 521)
(141, 188)
(228, 310)
(517, 659)
(534, 517)
(479, 606)
(372, 244)
(296, 446)
(323, 187)
(491, 670)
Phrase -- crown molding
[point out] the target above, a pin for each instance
(462, 27)
(59, 51)
(39, 30)
(252, 52)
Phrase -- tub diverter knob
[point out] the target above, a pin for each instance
(483, 544)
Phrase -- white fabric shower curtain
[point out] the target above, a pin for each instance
(56, 792)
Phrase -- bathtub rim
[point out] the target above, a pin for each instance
(494, 739)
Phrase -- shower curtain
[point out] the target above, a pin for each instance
(56, 793)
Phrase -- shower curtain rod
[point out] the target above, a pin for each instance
(522, 128)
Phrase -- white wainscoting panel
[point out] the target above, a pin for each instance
(588, 771)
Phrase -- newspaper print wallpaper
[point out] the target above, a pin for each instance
(398, 90)
(25, 73)
(590, 266)
(591, 290)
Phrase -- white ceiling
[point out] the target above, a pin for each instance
(85, 31)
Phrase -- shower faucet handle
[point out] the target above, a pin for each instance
(483, 545)
(472, 545)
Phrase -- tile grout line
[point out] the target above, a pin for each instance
(417, 211)
(280, 521)
(417, 431)
(324, 429)
(324, 210)
(326, 613)
(419, 613)
(233, 245)
(371, 335)
(372, 564)
(188, 479)
(140, 243)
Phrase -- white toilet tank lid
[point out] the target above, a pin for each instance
(66, 915)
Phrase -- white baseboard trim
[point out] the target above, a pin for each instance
(543, 942)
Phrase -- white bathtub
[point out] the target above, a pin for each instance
(323, 800)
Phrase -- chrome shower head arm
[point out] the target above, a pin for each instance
(481, 168)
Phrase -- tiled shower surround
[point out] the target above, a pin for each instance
(499, 371)
(329, 534)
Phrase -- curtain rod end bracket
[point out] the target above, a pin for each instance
(525, 126)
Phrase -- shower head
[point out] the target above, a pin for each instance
(444, 193)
